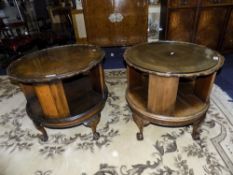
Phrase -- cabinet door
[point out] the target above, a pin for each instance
(210, 25)
(228, 38)
(180, 24)
(133, 26)
(99, 28)
(116, 22)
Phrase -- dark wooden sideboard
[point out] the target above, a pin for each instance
(115, 23)
(205, 22)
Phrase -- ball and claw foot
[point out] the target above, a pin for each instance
(92, 123)
(196, 136)
(96, 136)
(139, 136)
(43, 138)
(196, 130)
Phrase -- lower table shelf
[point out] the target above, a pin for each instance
(188, 109)
(89, 115)
(84, 104)
(77, 116)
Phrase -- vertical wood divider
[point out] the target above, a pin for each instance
(133, 77)
(53, 100)
(59, 96)
(97, 78)
(203, 86)
(162, 93)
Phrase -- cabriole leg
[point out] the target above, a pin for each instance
(92, 123)
(40, 127)
(140, 123)
(196, 127)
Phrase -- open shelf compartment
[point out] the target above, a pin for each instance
(168, 96)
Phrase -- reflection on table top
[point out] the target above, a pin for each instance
(172, 57)
(55, 63)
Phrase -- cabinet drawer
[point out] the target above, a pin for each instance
(183, 3)
(216, 2)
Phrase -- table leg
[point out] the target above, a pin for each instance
(40, 127)
(92, 123)
(196, 127)
(140, 123)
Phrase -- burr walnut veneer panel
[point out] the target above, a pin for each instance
(205, 22)
(116, 22)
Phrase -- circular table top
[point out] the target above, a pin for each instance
(171, 58)
(55, 63)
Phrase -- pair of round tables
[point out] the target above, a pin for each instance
(169, 83)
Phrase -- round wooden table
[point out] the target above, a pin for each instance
(169, 83)
(64, 86)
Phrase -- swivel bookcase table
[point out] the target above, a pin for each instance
(64, 86)
(169, 83)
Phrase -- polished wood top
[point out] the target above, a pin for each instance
(55, 63)
(170, 58)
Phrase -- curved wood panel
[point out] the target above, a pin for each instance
(162, 93)
(53, 100)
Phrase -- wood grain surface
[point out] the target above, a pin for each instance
(130, 28)
(162, 92)
(52, 99)
(55, 63)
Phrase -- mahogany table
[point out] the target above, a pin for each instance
(64, 86)
(169, 83)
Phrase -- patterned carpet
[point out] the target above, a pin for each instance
(164, 150)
